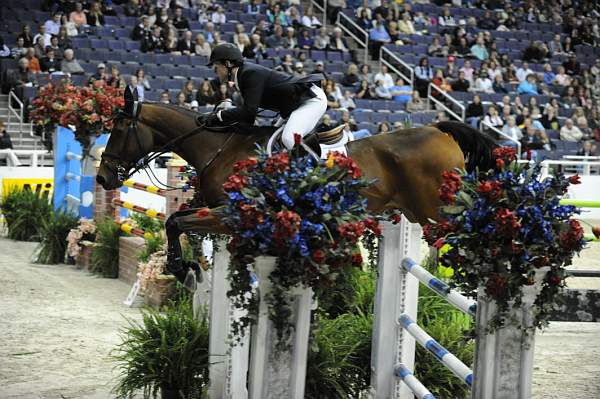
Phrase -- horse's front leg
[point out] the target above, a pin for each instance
(178, 223)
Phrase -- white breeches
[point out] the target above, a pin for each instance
(304, 119)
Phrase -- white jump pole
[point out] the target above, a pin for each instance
(397, 292)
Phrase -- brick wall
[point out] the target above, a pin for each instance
(103, 202)
(129, 247)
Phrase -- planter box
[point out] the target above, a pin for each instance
(83, 259)
(129, 248)
(160, 291)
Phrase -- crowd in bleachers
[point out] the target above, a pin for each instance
(542, 92)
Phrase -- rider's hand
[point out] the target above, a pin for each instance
(209, 119)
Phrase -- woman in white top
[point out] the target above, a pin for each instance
(483, 83)
(446, 19)
(201, 47)
(385, 77)
(493, 119)
(322, 39)
(512, 130)
(309, 20)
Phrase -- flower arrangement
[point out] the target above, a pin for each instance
(89, 109)
(307, 213)
(85, 231)
(151, 270)
(501, 226)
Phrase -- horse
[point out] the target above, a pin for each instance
(406, 164)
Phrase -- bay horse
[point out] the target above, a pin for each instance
(407, 163)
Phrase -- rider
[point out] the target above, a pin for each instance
(299, 100)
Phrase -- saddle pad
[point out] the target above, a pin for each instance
(340, 146)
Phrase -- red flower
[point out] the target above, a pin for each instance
(495, 285)
(575, 179)
(202, 213)
(506, 153)
(554, 280)
(297, 139)
(499, 164)
(357, 259)
(248, 165)
(352, 231)
(318, 256)
(491, 189)
(452, 182)
(570, 239)
(451, 176)
(287, 224)
(347, 163)
(439, 243)
(277, 162)
(235, 182)
(541, 261)
(506, 222)
(596, 231)
(396, 218)
(181, 169)
(373, 225)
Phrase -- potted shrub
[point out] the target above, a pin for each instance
(55, 230)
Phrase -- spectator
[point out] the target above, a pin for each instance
(299, 70)
(5, 141)
(487, 22)
(364, 91)
(468, 71)
(337, 41)
(253, 7)
(26, 35)
(511, 130)
(385, 77)
(479, 51)
(381, 91)
(461, 84)
(34, 63)
(78, 16)
(287, 64)
(181, 101)
(405, 25)
(461, 48)
(70, 65)
(293, 17)
(152, 17)
(549, 76)
(322, 39)
(533, 108)
(289, 41)
(326, 124)
(20, 78)
(171, 43)
(54, 45)
(142, 30)
(549, 119)
(218, 17)
(351, 77)
(562, 79)
(474, 111)
(185, 44)
(572, 66)
(435, 48)
(64, 41)
(309, 20)
(528, 86)
(276, 39)
(451, 70)
(544, 140)
(568, 46)
(492, 119)
(132, 8)
(588, 149)
(333, 9)
(555, 46)
(142, 80)
(165, 98)
(364, 20)
(275, 13)
(570, 132)
(42, 33)
(53, 24)
(536, 52)
(440, 81)
(378, 36)
(179, 21)
(384, 127)
(423, 75)
(441, 117)
(394, 33)
(201, 47)
(319, 68)
(365, 73)
(205, 96)
(483, 83)
(49, 63)
(19, 50)
(365, 8)
(4, 50)
(415, 104)
(523, 72)
(154, 43)
(401, 92)
(346, 101)
(530, 140)
(446, 19)
(188, 91)
(114, 80)
(582, 124)
(94, 15)
(305, 41)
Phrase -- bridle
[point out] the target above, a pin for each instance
(125, 169)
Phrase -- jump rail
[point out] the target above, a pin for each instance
(140, 209)
(145, 187)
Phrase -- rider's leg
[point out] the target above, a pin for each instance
(304, 119)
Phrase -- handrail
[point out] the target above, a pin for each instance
(501, 133)
(460, 117)
(322, 8)
(383, 51)
(586, 167)
(364, 43)
(19, 115)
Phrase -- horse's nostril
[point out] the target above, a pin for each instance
(100, 180)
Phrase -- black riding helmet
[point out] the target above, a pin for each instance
(226, 52)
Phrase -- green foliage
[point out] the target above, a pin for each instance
(168, 349)
(452, 329)
(153, 244)
(25, 213)
(352, 292)
(54, 237)
(105, 255)
(147, 223)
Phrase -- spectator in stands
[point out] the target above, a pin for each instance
(218, 17)
(322, 40)
(287, 64)
(180, 102)
(492, 119)
(415, 104)
(54, 45)
(34, 62)
(276, 39)
(78, 16)
(570, 132)
(468, 71)
(114, 79)
(150, 13)
(440, 81)
(42, 33)
(142, 30)
(171, 43)
(364, 20)
(299, 70)
(523, 72)
(568, 46)
(498, 85)
(326, 124)
(205, 96)
(49, 63)
(405, 25)
(19, 50)
(293, 17)
(531, 141)
(365, 73)
(549, 119)
(276, 13)
(384, 127)
(488, 21)
(378, 36)
(423, 76)
(446, 19)
(319, 68)
(53, 24)
(26, 35)
(347, 102)
(435, 48)
(70, 27)
(483, 83)
(461, 84)
(528, 86)
(384, 76)
(188, 91)
(545, 141)
(64, 41)
(588, 149)
(337, 41)
(4, 50)
(154, 43)
(201, 47)
(94, 15)
(351, 77)
(142, 80)
(512, 130)
(364, 91)
(305, 41)
(70, 65)
(185, 45)
(5, 141)
(555, 46)
(364, 8)
(132, 8)
(479, 51)
(582, 124)
(253, 7)
(451, 70)
(179, 21)
(381, 91)
(20, 78)
(165, 98)
(309, 20)
(474, 111)
(290, 41)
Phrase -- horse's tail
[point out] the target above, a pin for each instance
(475, 145)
